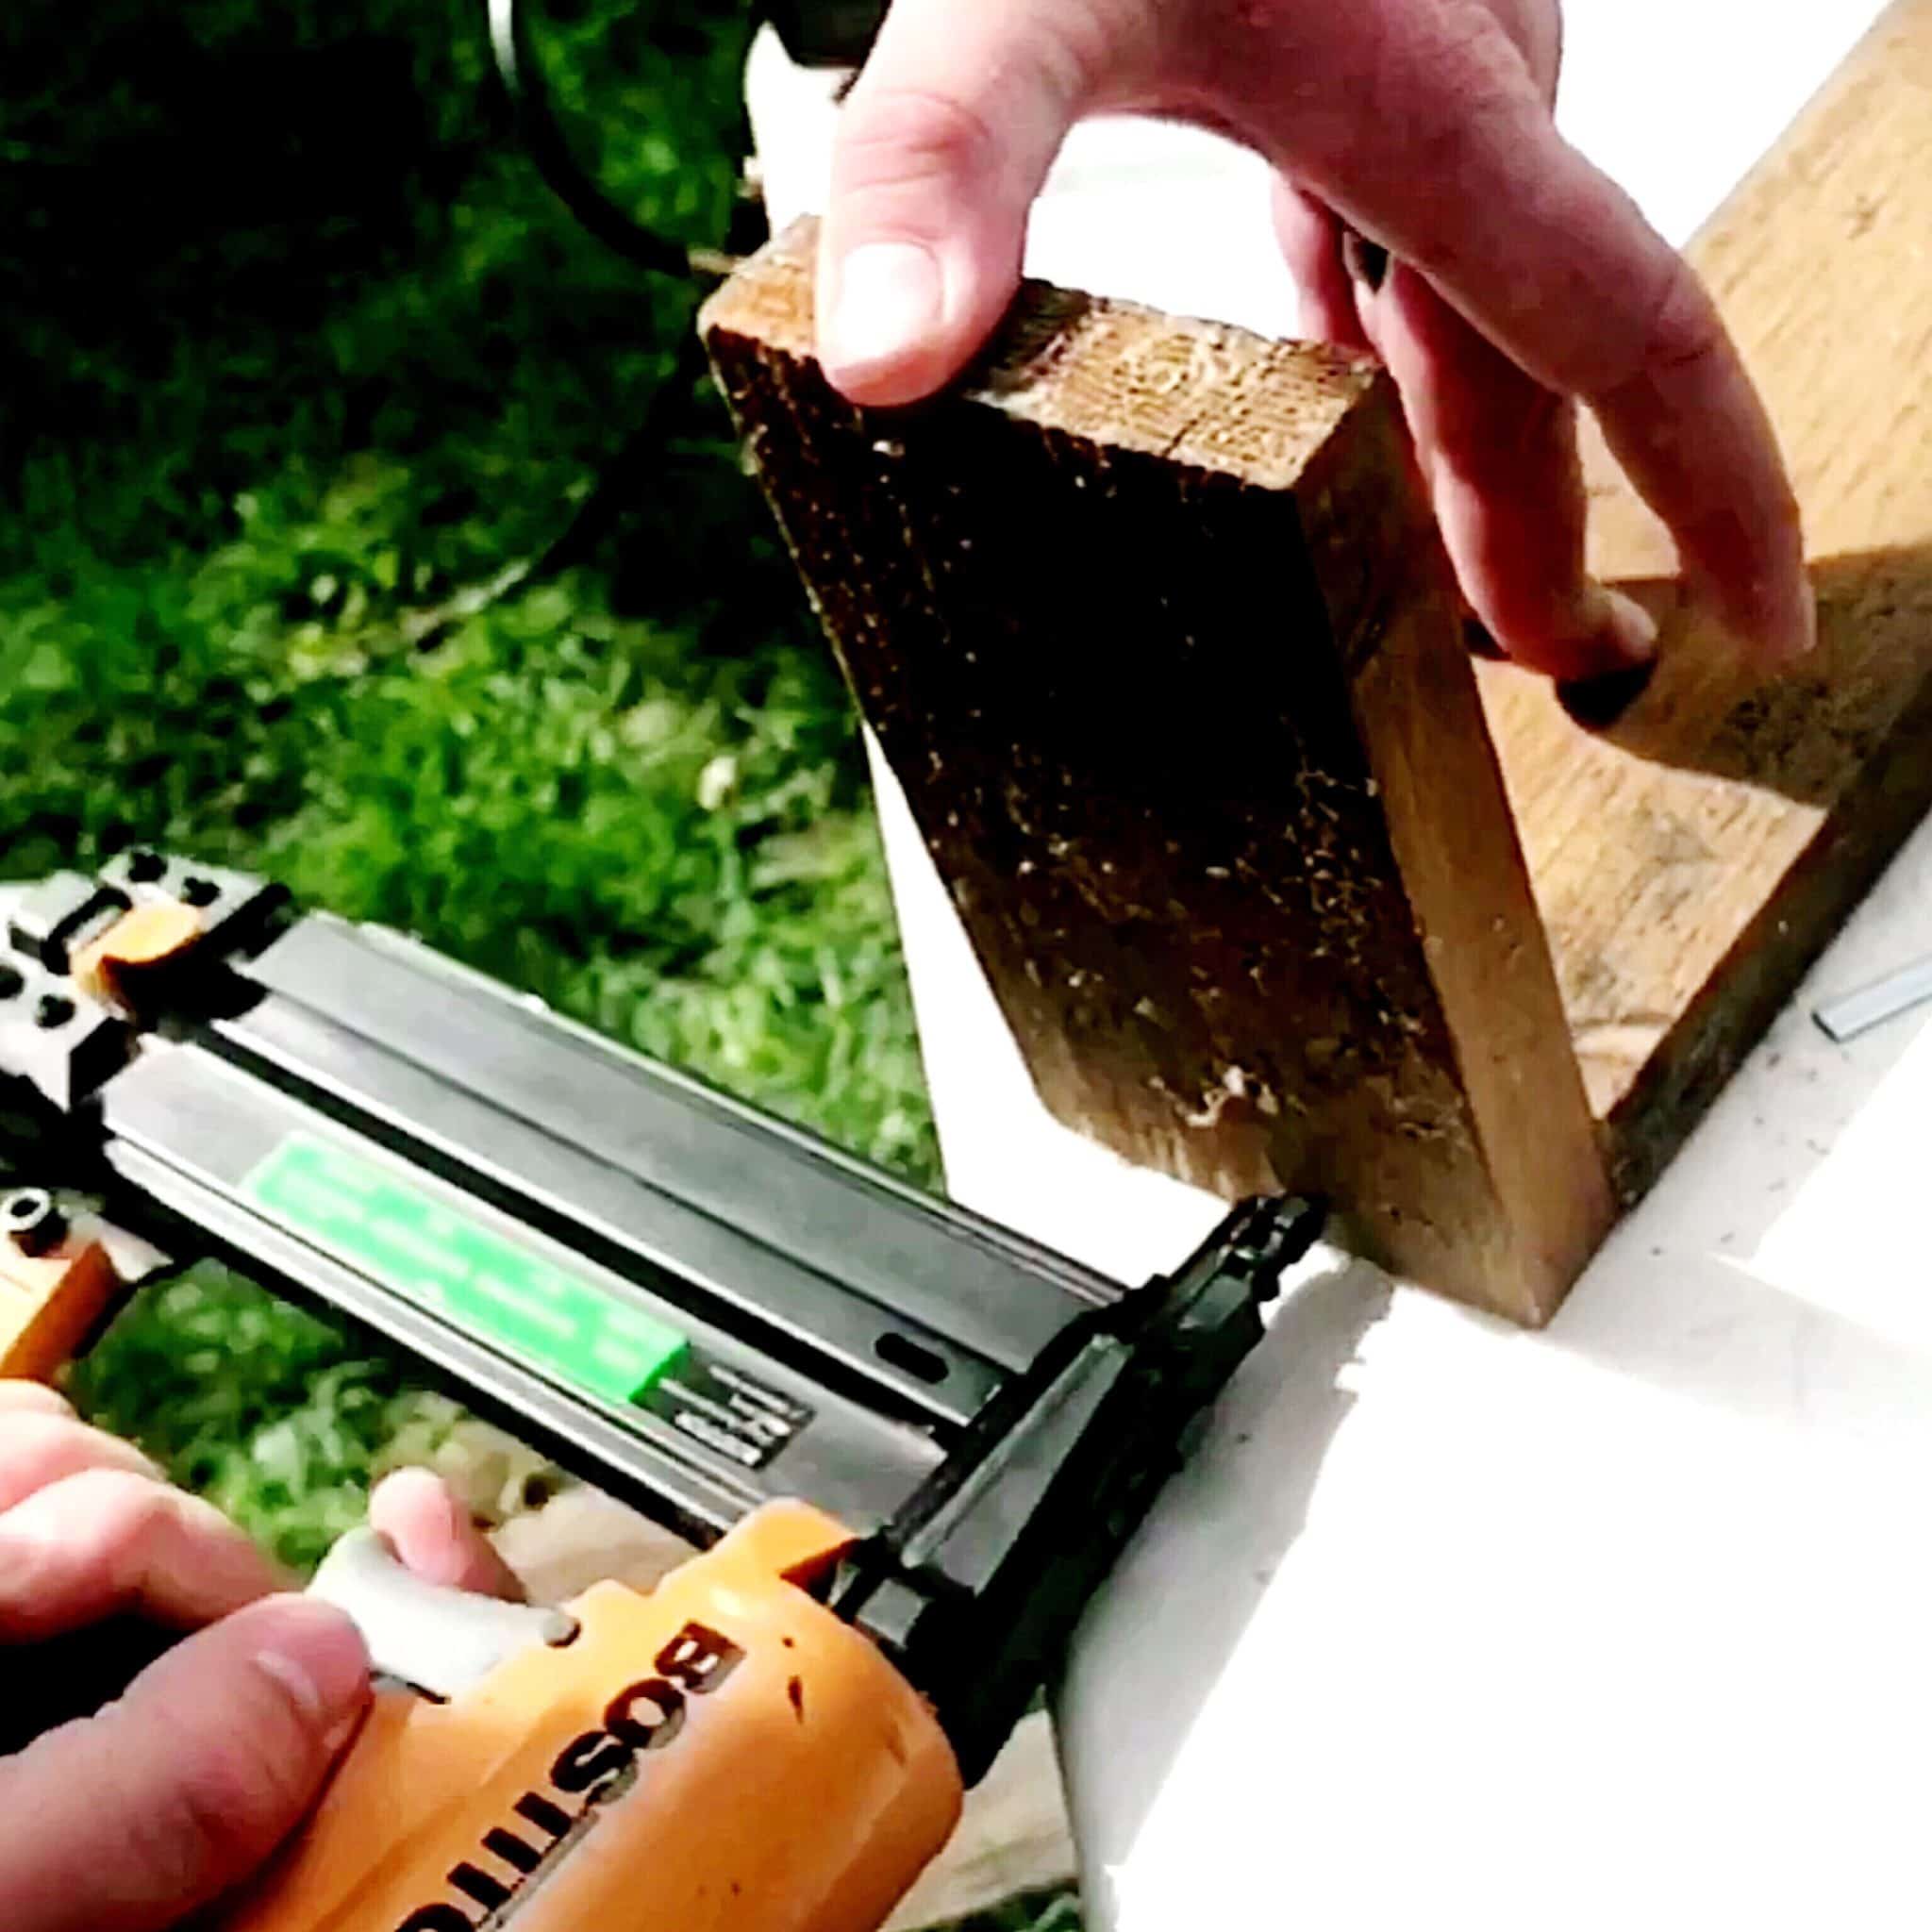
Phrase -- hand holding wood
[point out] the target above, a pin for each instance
(1519, 282)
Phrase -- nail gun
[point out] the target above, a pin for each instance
(910, 1444)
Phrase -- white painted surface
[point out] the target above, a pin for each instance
(1620, 1625)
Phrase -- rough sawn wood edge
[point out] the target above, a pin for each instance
(1154, 629)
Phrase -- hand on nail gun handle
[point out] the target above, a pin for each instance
(130, 1820)
(1430, 211)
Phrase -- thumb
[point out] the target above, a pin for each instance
(129, 1821)
(940, 152)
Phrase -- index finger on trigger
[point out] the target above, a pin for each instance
(433, 1534)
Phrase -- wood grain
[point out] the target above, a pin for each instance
(1691, 863)
(1152, 624)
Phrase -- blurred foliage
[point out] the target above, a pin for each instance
(259, 1408)
(1056, 1912)
(304, 364)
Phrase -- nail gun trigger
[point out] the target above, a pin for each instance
(433, 1638)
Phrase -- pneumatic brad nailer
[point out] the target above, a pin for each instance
(913, 1442)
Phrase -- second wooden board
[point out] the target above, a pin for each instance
(1691, 863)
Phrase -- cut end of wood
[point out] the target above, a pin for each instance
(1203, 393)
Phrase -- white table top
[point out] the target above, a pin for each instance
(1621, 1624)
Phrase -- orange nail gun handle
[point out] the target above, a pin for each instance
(722, 1753)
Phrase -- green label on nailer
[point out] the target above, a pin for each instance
(454, 1266)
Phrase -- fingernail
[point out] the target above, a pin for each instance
(1616, 638)
(1777, 626)
(888, 301)
(1631, 627)
(1366, 261)
(1597, 703)
(1476, 635)
(317, 1656)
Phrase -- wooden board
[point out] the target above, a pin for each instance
(1692, 864)
(1153, 626)
(1151, 634)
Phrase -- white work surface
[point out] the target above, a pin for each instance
(1625, 1623)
